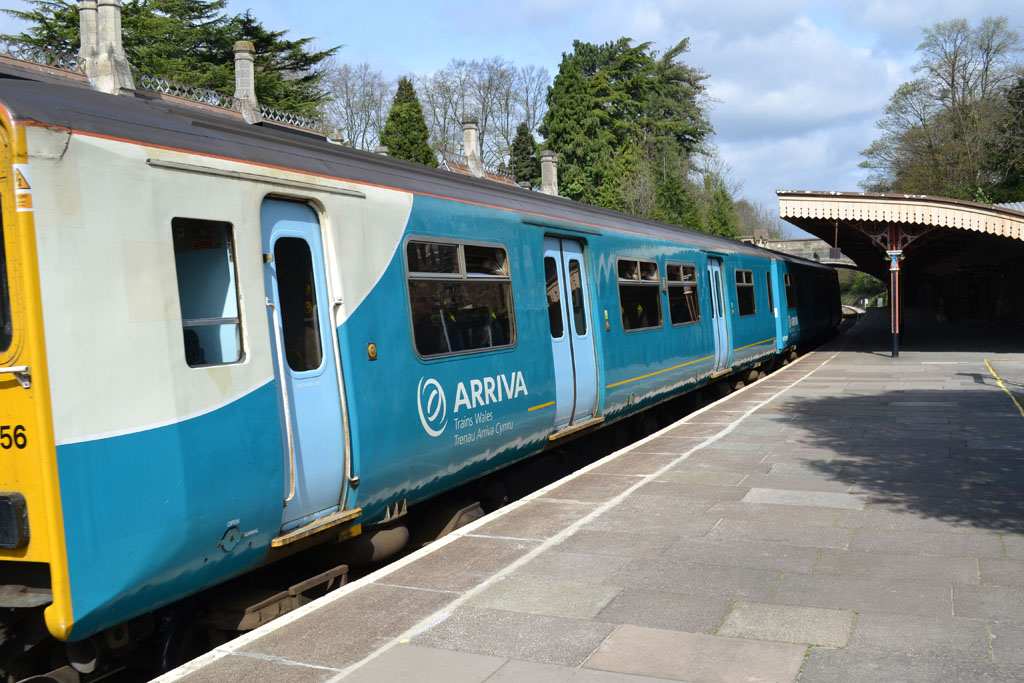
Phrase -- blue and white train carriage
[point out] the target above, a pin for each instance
(218, 340)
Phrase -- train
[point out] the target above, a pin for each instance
(222, 343)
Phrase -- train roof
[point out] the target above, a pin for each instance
(149, 118)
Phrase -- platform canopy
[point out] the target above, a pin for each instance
(969, 253)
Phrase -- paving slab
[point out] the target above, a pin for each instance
(978, 545)
(580, 567)
(465, 562)
(989, 602)
(671, 575)
(948, 638)
(537, 519)
(847, 666)
(789, 624)
(865, 595)
(517, 671)
(787, 533)
(340, 634)
(693, 657)
(241, 668)
(706, 477)
(750, 554)
(665, 610)
(426, 665)
(891, 566)
(517, 635)
(1007, 642)
(821, 499)
(539, 596)
(1002, 572)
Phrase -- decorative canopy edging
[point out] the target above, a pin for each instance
(905, 209)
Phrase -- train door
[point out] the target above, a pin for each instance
(776, 298)
(309, 400)
(719, 321)
(572, 336)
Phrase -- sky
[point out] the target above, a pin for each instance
(796, 85)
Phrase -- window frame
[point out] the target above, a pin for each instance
(231, 248)
(744, 277)
(791, 288)
(771, 296)
(683, 284)
(639, 281)
(462, 276)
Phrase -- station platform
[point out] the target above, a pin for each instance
(851, 517)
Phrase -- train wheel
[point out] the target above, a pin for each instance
(184, 639)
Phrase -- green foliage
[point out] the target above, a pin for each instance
(855, 285)
(1008, 156)
(525, 164)
(192, 42)
(405, 132)
(951, 131)
(626, 123)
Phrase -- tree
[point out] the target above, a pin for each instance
(405, 131)
(628, 124)
(192, 42)
(524, 161)
(493, 91)
(1008, 157)
(359, 103)
(941, 132)
(759, 221)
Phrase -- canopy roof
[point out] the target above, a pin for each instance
(939, 234)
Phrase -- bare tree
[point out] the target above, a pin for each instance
(493, 90)
(360, 99)
(532, 88)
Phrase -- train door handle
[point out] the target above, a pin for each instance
(284, 399)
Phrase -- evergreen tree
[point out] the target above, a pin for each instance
(192, 42)
(405, 132)
(525, 164)
(626, 121)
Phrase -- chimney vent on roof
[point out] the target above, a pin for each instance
(102, 50)
(245, 82)
(549, 173)
(471, 146)
(381, 150)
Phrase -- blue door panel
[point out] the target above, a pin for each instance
(300, 319)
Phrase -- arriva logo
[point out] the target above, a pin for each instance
(433, 404)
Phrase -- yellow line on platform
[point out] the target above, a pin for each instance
(999, 380)
(658, 372)
(542, 405)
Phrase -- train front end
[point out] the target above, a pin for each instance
(33, 567)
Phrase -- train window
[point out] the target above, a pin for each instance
(429, 257)
(296, 290)
(460, 296)
(554, 298)
(579, 314)
(771, 297)
(745, 292)
(639, 294)
(683, 305)
(792, 293)
(204, 260)
(6, 323)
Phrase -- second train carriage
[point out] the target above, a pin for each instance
(221, 341)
